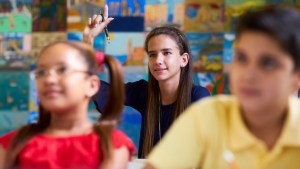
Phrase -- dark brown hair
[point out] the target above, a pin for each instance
(281, 23)
(184, 89)
(112, 109)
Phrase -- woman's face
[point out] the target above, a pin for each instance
(165, 61)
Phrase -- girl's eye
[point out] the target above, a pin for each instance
(151, 55)
(41, 73)
(62, 70)
(167, 53)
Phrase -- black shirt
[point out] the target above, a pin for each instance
(136, 97)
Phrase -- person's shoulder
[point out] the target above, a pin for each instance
(212, 105)
(209, 113)
(121, 139)
(140, 84)
(6, 139)
(199, 92)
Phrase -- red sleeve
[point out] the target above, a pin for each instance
(120, 139)
(5, 139)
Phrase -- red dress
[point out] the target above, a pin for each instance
(79, 152)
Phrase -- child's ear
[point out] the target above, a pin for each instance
(184, 59)
(93, 86)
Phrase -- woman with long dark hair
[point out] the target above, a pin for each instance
(169, 89)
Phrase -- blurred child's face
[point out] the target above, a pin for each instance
(165, 61)
(262, 75)
(62, 79)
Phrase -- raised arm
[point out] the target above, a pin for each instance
(95, 26)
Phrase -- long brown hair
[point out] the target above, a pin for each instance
(112, 110)
(184, 88)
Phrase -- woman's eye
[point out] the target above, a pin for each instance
(167, 53)
(151, 55)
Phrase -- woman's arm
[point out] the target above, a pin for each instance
(136, 95)
(95, 26)
(119, 159)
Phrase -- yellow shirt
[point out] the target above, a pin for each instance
(208, 128)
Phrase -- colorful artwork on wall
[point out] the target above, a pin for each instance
(235, 8)
(10, 120)
(42, 39)
(49, 15)
(126, 7)
(214, 82)
(204, 16)
(128, 14)
(15, 51)
(99, 42)
(130, 50)
(228, 51)
(15, 16)
(170, 13)
(14, 90)
(80, 10)
(207, 51)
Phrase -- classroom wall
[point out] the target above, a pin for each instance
(26, 26)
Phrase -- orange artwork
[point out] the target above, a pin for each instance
(204, 16)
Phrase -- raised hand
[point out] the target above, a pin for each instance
(95, 26)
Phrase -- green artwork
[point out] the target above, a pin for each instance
(14, 87)
(15, 16)
(15, 23)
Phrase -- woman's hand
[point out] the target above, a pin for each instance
(95, 26)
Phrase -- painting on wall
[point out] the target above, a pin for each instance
(130, 48)
(14, 90)
(283, 2)
(99, 42)
(15, 16)
(49, 15)
(128, 14)
(229, 42)
(204, 16)
(170, 13)
(15, 51)
(80, 10)
(126, 7)
(42, 39)
(235, 8)
(11, 120)
(214, 82)
(207, 51)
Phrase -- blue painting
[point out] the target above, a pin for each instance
(126, 7)
(99, 42)
(130, 50)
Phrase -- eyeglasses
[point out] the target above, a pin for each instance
(58, 71)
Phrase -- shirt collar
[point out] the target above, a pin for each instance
(241, 138)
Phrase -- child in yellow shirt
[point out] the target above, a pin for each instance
(258, 127)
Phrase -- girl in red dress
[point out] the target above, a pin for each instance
(63, 137)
